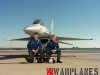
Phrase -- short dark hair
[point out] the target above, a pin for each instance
(35, 33)
(53, 36)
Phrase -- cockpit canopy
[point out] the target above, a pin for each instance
(39, 21)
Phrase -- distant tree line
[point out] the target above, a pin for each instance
(73, 48)
(13, 48)
(76, 48)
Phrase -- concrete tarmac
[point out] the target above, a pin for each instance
(13, 63)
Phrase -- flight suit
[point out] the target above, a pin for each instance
(34, 45)
(53, 45)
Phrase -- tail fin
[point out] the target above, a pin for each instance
(52, 25)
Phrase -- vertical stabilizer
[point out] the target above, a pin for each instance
(52, 26)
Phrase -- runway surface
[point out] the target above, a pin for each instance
(13, 63)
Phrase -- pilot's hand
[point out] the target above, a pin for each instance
(53, 51)
(36, 51)
(33, 51)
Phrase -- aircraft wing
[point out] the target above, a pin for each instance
(45, 39)
(68, 38)
(21, 39)
(59, 38)
(26, 39)
(64, 43)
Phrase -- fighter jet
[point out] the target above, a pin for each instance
(44, 34)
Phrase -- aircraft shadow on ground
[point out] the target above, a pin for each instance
(6, 57)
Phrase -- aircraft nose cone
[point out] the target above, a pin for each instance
(30, 30)
(26, 29)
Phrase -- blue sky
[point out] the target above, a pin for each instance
(72, 18)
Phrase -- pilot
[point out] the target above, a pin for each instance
(53, 48)
(34, 47)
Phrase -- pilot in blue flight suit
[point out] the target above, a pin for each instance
(34, 47)
(53, 48)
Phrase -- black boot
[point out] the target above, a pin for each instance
(39, 60)
(58, 61)
(28, 59)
